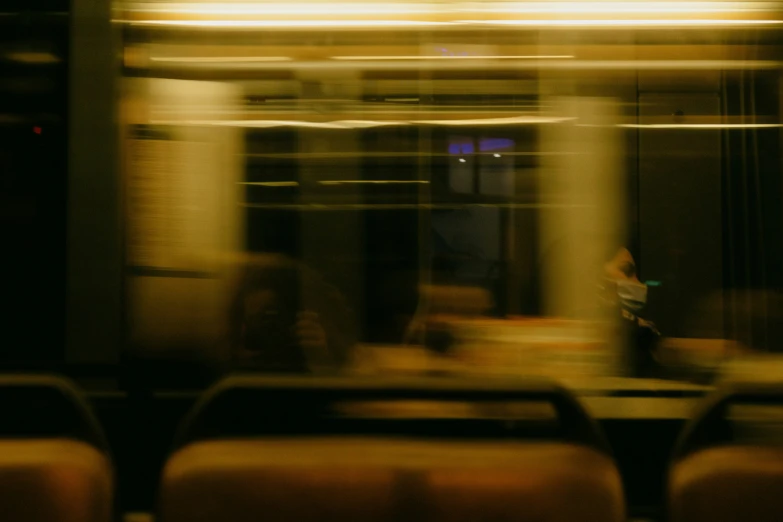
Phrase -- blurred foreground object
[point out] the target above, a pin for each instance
(728, 464)
(303, 443)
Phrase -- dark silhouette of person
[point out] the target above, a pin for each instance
(624, 292)
(285, 318)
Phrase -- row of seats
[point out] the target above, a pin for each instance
(288, 449)
(258, 447)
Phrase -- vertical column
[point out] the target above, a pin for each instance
(581, 196)
(94, 278)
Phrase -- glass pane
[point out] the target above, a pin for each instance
(574, 190)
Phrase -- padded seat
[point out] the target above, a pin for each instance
(54, 460)
(727, 484)
(54, 480)
(360, 479)
(728, 463)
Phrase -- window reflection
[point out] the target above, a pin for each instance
(498, 194)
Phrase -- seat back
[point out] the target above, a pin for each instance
(54, 462)
(719, 475)
(280, 449)
(253, 405)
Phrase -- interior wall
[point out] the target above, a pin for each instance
(94, 260)
(680, 227)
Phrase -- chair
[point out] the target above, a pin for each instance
(723, 471)
(279, 449)
(54, 463)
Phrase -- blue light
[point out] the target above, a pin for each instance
(461, 148)
(491, 144)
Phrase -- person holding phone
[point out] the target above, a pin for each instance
(274, 331)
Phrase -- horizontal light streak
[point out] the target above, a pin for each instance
(220, 59)
(625, 23)
(252, 24)
(437, 57)
(520, 120)
(513, 120)
(248, 9)
(615, 8)
(373, 182)
(362, 124)
(436, 64)
(271, 183)
(703, 126)
(291, 9)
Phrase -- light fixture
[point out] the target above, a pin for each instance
(496, 155)
(462, 160)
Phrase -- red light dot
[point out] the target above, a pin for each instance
(37, 130)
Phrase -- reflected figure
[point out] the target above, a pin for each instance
(624, 292)
(286, 319)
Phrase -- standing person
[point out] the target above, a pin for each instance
(273, 329)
